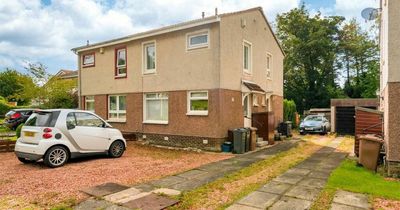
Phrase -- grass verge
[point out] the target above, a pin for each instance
(224, 191)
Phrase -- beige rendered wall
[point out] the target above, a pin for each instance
(177, 68)
(259, 35)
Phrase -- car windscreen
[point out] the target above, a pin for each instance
(313, 118)
(42, 119)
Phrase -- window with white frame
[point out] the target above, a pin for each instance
(247, 57)
(263, 100)
(149, 57)
(255, 100)
(88, 60)
(120, 62)
(156, 108)
(198, 103)
(89, 103)
(117, 107)
(269, 65)
(197, 40)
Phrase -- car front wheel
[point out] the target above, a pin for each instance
(56, 156)
(116, 150)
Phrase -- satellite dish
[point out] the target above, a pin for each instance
(369, 13)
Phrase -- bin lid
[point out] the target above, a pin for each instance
(370, 137)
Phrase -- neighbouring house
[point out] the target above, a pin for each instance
(187, 84)
(72, 75)
(390, 81)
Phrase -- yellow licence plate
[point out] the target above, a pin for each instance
(29, 134)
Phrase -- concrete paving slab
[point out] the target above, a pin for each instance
(351, 199)
(104, 189)
(115, 197)
(286, 203)
(303, 192)
(313, 182)
(289, 178)
(241, 207)
(151, 202)
(168, 181)
(133, 197)
(319, 174)
(337, 206)
(275, 187)
(209, 177)
(116, 207)
(167, 191)
(298, 171)
(259, 199)
(192, 174)
(186, 185)
(145, 187)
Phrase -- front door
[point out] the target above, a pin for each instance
(88, 132)
(247, 110)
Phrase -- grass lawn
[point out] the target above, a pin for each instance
(224, 191)
(351, 177)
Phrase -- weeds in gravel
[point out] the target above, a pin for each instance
(224, 191)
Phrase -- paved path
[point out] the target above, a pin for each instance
(186, 181)
(349, 201)
(298, 187)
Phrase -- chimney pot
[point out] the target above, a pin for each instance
(216, 11)
(202, 14)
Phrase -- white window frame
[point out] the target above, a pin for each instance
(118, 119)
(145, 99)
(190, 98)
(90, 101)
(269, 65)
(145, 70)
(250, 57)
(121, 66)
(194, 34)
(255, 100)
(88, 64)
(264, 100)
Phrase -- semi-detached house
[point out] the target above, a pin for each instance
(186, 84)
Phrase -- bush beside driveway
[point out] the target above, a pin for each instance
(36, 186)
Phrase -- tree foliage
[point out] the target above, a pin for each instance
(17, 87)
(289, 110)
(318, 50)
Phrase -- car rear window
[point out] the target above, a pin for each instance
(10, 113)
(42, 119)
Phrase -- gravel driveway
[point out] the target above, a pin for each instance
(34, 185)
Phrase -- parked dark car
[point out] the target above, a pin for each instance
(314, 124)
(16, 116)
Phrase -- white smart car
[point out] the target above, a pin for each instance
(59, 134)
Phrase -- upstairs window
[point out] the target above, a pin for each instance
(197, 40)
(269, 65)
(247, 57)
(120, 62)
(88, 60)
(198, 103)
(89, 103)
(149, 56)
(117, 108)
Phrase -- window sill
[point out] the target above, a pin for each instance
(87, 66)
(194, 113)
(149, 72)
(155, 122)
(256, 105)
(196, 47)
(247, 72)
(116, 120)
(120, 76)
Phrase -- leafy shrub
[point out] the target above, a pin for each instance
(4, 108)
(2, 100)
(289, 110)
(18, 130)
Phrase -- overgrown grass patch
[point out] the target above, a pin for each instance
(224, 191)
(351, 177)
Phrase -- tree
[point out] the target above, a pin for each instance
(311, 45)
(17, 87)
(60, 94)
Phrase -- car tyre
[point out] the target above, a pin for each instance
(56, 156)
(23, 160)
(117, 149)
(302, 133)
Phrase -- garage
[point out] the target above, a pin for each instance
(343, 113)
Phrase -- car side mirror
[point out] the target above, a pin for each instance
(105, 125)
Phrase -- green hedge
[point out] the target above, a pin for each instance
(289, 110)
(4, 108)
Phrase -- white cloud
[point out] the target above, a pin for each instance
(352, 8)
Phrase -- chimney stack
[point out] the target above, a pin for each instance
(202, 14)
(87, 42)
(216, 11)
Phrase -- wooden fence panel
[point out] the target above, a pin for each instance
(368, 121)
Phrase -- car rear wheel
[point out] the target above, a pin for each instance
(23, 160)
(56, 156)
(117, 149)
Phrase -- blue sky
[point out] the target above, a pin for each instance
(45, 30)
